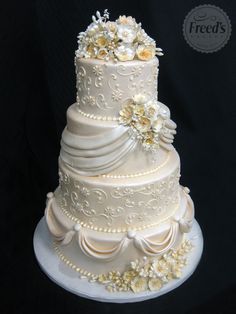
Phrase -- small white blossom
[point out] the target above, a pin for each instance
(143, 272)
(160, 267)
(139, 284)
(157, 125)
(135, 265)
(92, 29)
(126, 33)
(152, 110)
(125, 52)
(145, 52)
(126, 20)
(140, 99)
(154, 284)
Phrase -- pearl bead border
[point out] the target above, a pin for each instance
(138, 174)
(118, 230)
(94, 117)
(69, 263)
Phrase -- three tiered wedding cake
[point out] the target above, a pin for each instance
(119, 216)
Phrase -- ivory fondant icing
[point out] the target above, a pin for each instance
(119, 212)
(102, 87)
(84, 245)
(119, 203)
(96, 147)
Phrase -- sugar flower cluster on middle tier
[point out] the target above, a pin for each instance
(148, 120)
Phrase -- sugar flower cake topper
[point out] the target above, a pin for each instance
(122, 40)
(149, 122)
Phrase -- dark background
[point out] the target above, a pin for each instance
(38, 40)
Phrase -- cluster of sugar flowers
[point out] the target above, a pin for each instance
(146, 118)
(148, 274)
(121, 40)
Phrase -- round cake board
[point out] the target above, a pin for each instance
(68, 279)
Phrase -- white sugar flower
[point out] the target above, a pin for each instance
(129, 275)
(143, 124)
(169, 259)
(92, 29)
(154, 284)
(135, 265)
(82, 51)
(160, 267)
(79, 53)
(91, 50)
(139, 284)
(126, 20)
(157, 124)
(145, 53)
(126, 33)
(111, 26)
(126, 114)
(101, 40)
(125, 52)
(139, 99)
(152, 109)
(141, 35)
(176, 270)
(143, 273)
(187, 245)
(139, 111)
(102, 53)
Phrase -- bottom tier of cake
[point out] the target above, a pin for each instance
(66, 274)
(135, 260)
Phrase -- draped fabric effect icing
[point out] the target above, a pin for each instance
(99, 250)
(98, 153)
(156, 247)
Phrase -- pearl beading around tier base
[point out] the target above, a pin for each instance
(94, 117)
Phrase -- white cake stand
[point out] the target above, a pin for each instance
(65, 277)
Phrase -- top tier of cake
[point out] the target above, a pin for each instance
(103, 87)
(114, 62)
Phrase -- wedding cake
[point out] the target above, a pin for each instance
(119, 216)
